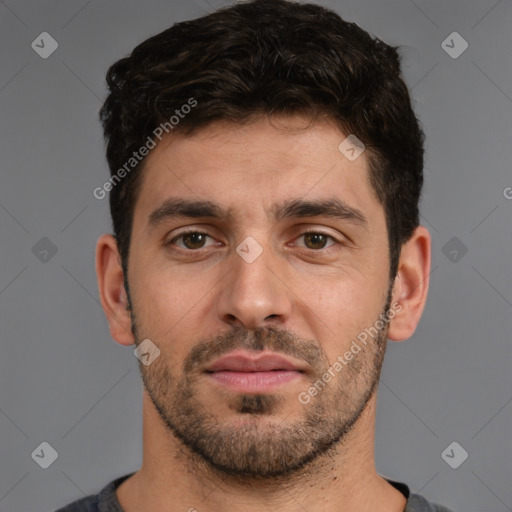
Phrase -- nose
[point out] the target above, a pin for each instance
(254, 294)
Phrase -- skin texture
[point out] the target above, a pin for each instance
(212, 448)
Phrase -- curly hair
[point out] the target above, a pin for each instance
(268, 57)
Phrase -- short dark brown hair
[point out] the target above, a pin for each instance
(261, 58)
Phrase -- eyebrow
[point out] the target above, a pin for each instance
(294, 208)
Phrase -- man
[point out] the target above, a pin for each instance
(266, 169)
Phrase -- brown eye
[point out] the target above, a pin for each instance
(316, 240)
(192, 240)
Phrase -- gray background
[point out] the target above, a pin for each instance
(64, 381)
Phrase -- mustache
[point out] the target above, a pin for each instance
(265, 338)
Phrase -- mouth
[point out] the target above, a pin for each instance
(247, 372)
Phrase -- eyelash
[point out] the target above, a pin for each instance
(193, 231)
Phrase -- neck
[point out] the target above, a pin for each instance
(343, 479)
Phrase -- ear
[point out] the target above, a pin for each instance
(411, 285)
(111, 288)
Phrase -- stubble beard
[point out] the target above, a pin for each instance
(267, 446)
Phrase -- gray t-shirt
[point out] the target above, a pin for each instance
(106, 500)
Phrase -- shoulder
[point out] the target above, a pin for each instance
(417, 503)
(87, 504)
(104, 501)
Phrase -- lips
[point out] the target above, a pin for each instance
(247, 363)
(246, 372)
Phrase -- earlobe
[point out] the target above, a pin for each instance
(111, 289)
(411, 284)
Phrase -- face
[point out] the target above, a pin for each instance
(258, 255)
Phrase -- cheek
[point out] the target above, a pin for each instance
(158, 302)
(171, 308)
(336, 312)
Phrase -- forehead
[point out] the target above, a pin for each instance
(251, 170)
